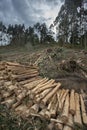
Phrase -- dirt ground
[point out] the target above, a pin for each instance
(68, 66)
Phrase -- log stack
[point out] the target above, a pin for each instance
(25, 92)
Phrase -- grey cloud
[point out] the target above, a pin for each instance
(27, 11)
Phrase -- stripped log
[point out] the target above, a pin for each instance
(62, 93)
(8, 83)
(59, 123)
(12, 87)
(35, 83)
(65, 112)
(43, 83)
(21, 95)
(42, 95)
(6, 94)
(21, 109)
(47, 114)
(25, 82)
(9, 102)
(72, 102)
(49, 95)
(45, 87)
(59, 126)
(83, 111)
(67, 128)
(54, 106)
(42, 112)
(21, 78)
(16, 105)
(62, 99)
(34, 109)
(12, 64)
(77, 116)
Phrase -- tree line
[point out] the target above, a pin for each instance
(20, 35)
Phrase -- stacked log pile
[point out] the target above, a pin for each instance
(25, 92)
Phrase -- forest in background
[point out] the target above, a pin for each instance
(70, 24)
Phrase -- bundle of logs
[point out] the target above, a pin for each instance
(25, 92)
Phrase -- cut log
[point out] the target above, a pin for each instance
(9, 102)
(8, 83)
(62, 93)
(59, 126)
(25, 82)
(70, 120)
(13, 64)
(83, 111)
(50, 94)
(21, 78)
(21, 95)
(34, 109)
(16, 105)
(47, 114)
(21, 109)
(17, 91)
(12, 87)
(40, 90)
(67, 128)
(83, 94)
(40, 85)
(59, 101)
(62, 99)
(42, 112)
(43, 94)
(77, 116)
(6, 94)
(26, 113)
(72, 102)
(54, 106)
(33, 84)
(65, 112)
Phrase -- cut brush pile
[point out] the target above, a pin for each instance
(27, 94)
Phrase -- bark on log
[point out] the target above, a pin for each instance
(83, 111)
(25, 82)
(7, 83)
(16, 105)
(6, 94)
(9, 102)
(12, 87)
(59, 126)
(33, 84)
(45, 80)
(21, 109)
(50, 94)
(77, 116)
(42, 95)
(34, 109)
(42, 112)
(62, 99)
(45, 87)
(54, 106)
(21, 95)
(22, 78)
(65, 112)
(72, 102)
(67, 128)
(47, 114)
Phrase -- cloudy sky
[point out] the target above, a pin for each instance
(29, 11)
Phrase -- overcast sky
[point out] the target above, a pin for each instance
(29, 11)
